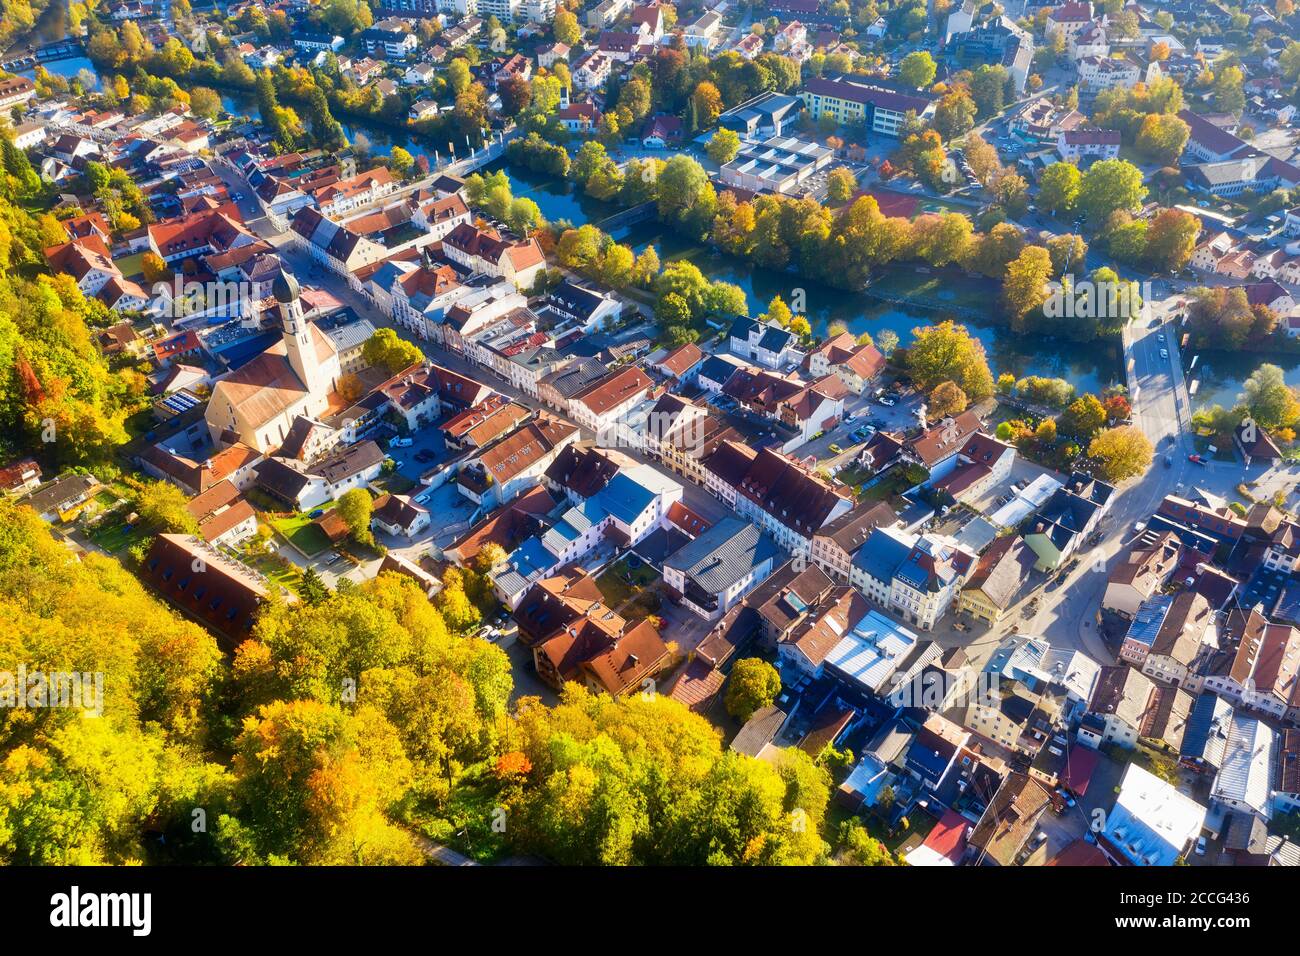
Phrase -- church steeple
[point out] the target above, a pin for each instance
(300, 349)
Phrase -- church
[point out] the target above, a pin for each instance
(296, 376)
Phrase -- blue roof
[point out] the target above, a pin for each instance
(1149, 619)
(624, 498)
(881, 554)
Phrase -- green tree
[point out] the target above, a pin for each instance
(162, 508)
(1058, 187)
(753, 685)
(723, 146)
(917, 69)
(1110, 185)
(1083, 419)
(355, 508)
(1271, 402)
(841, 184)
(385, 350)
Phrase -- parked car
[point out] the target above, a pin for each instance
(1169, 461)
(1164, 353)
(1197, 459)
(1069, 800)
(836, 449)
(316, 514)
(424, 456)
(887, 401)
(1200, 846)
(401, 443)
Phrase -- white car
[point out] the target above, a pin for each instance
(888, 401)
(1200, 846)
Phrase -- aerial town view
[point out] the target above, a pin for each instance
(564, 433)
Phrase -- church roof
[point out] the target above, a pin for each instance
(268, 385)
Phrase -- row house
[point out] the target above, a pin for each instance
(917, 576)
(1261, 675)
(483, 250)
(791, 503)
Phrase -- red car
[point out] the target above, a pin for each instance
(1196, 458)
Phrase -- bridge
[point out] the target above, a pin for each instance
(628, 217)
(65, 49)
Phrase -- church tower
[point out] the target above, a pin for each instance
(300, 349)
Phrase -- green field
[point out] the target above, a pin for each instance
(299, 531)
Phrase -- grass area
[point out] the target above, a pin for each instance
(396, 484)
(299, 531)
(285, 576)
(130, 265)
(621, 583)
(114, 535)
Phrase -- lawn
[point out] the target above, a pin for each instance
(620, 583)
(130, 265)
(114, 535)
(299, 531)
(284, 576)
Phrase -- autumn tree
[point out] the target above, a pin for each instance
(385, 350)
(723, 146)
(946, 398)
(1121, 453)
(948, 352)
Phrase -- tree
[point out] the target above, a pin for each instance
(886, 342)
(516, 93)
(707, 102)
(954, 114)
(753, 685)
(917, 69)
(524, 216)
(1121, 453)
(1229, 96)
(1171, 240)
(312, 588)
(566, 28)
(841, 184)
(1024, 290)
(154, 269)
(1058, 188)
(778, 312)
(723, 146)
(1110, 185)
(205, 102)
(401, 162)
(946, 399)
(386, 350)
(162, 508)
(860, 848)
(988, 87)
(458, 75)
(1271, 402)
(1084, 418)
(948, 352)
(355, 508)
(1161, 137)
